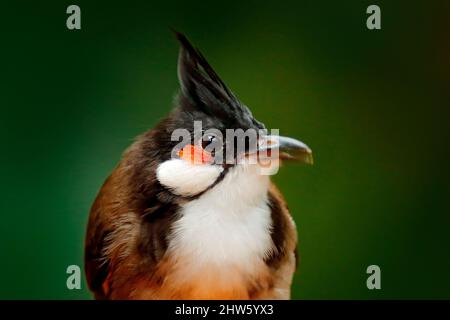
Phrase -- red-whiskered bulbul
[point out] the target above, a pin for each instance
(165, 227)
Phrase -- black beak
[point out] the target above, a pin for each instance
(286, 148)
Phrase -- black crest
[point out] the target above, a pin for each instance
(205, 91)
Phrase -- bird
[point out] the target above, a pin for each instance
(171, 222)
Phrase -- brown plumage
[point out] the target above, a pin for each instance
(126, 241)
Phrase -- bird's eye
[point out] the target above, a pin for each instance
(206, 141)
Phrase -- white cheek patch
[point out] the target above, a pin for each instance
(185, 178)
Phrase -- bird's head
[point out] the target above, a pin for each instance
(211, 133)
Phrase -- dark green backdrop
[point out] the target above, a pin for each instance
(373, 105)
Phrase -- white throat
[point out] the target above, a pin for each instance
(229, 224)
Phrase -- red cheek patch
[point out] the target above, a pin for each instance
(195, 155)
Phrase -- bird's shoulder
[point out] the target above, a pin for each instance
(284, 231)
(124, 226)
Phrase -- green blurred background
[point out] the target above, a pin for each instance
(373, 105)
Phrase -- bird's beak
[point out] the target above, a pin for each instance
(286, 148)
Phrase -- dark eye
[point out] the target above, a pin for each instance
(206, 141)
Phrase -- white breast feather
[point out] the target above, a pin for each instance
(228, 225)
